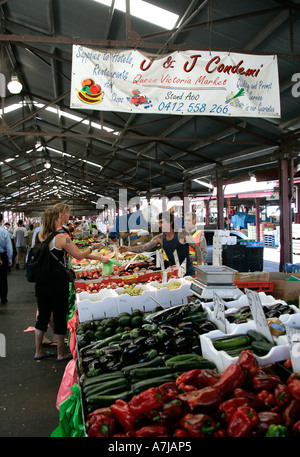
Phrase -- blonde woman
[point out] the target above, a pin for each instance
(52, 289)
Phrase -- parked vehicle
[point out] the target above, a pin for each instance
(209, 234)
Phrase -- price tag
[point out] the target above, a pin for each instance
(164, 276)
(157, 259)
(219, 312)
(258, 314)
(293, 337)
(183, 268)
(177, 263)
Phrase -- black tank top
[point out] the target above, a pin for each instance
(170, 246)
(60, 254)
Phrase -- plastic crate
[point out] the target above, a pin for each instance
(257, 286)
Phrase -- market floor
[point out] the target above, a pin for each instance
(28, 388)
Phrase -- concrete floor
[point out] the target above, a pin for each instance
(28, 389)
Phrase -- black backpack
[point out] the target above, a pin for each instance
(38, 262)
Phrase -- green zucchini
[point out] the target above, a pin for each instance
(107, 391)
(107, 385)
(140, 386)
(256, 336)
(156, 362)
(186, 365)
(146, 373)
(236, 352)
(102, 377)
(232, 341)
(102, 401)
(183, 357)
(261, 348)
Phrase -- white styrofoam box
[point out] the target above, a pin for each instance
(87, 310)
(97, 296)
(223, 360)
(172, 297)
(144, 302)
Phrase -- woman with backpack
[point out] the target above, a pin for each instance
(52, 287)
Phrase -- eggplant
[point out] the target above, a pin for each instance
(169, 346)
(114, 366)
(114, 350)
(196, 349)
(272, 313)
(124, 344)
(206, 327)
(87, 360)
(140, 340)
(185, 333)
(168, 329)
(151, 343)
(183, 344)
(244, 309)
(131, 353)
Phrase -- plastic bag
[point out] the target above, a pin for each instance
(70, 416)
(108, 268)
(68, 380)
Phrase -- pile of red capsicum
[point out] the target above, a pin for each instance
(244, 400)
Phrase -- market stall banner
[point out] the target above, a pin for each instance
(182, 83)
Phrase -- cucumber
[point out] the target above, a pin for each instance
(233, 341)
(140, 386)
(157, 361)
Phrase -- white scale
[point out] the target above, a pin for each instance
(215, 278)
(205, 291)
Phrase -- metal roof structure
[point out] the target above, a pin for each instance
(97, 153)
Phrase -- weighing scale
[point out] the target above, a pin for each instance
(215, 278)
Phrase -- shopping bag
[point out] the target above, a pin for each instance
(70, 416)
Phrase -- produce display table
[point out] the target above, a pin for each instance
(148, 366)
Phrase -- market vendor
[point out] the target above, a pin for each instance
(171, 241)
(198, 235)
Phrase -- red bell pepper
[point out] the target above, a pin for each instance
(242, 422)
(265, 381)
(294, 375)
(169, 413)
(124, 415)
(253, 401)
(266, 418)
(282, 395)
(207, 377)
(232, 377)
(102, 426)
(205, 400)
(291, 413)
(180, 433)
(198, 424)
(189, 377)
(152, 430)
(228, 407)
(221, 433)
(106, 411)
(248, 362)
(288, 364)
(146, 401)
(296, 428)
(294, 388)
(168, 390)
(266, 398)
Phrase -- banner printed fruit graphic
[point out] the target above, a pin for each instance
(90, 93)
(138, 99)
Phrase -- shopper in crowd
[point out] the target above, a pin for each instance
(52, 291)
(171, 241)
(64, 215)
(29, 235)
(6, 253)
(198, 235)
(20, 237)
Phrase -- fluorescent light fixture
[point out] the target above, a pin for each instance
(14, 86)
(47, 164)
(147, 12)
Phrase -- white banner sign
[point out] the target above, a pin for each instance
(183, 83)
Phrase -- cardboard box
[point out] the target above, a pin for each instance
(283, 289)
